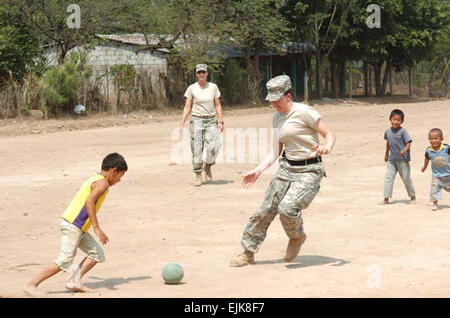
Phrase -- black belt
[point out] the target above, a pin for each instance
(204, 117)
(302, 162)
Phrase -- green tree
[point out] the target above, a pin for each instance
(321, 22)
(19, 49)
(441, 58)
(408, 33)
(48, 19)
(257, 26)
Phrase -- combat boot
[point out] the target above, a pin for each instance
(243, 259)
(198, 179)
(208, 174)
(293, 247)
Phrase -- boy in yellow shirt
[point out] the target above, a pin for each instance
(76, 221)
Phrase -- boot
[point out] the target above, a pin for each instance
(198, 179)
(293, 248)
(208, 175)
(243, 259)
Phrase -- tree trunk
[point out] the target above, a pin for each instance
(117, 105)
(305, 80)
(62, 54)
(390, 81)
(318, 74)
(447, 93)
(387, 71)
(370, 81)
(342, 79)
(366, 80)
(410, 89)
(256, 66)
(310, 74)
(306, 87)
(334, 78)
(107, 87)
(350, 79)
(247, 57)
(377, 70)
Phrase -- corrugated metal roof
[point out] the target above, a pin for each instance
(230, 51)
(136, 39)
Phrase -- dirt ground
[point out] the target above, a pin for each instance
(355, 248)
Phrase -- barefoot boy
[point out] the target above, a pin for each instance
(397, 156)
(439, 154)
(76, 221)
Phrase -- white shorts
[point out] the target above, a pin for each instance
(73, 238)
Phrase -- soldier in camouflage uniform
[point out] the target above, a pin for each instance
(206, 123)
(297, 181)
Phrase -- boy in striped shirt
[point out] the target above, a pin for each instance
(439, 155)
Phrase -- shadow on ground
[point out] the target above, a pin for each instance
(307, 261)
(218, 182)
(111, 283)
(399, 201)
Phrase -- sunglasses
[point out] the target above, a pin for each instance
(201, 72)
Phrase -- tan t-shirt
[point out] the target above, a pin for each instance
(203, 98)
(296, 131)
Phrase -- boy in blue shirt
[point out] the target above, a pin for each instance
(439, 154)
(398, 144)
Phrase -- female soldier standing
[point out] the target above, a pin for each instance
(205, 129)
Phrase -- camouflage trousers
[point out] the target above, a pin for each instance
(204, 134)
(291, 190)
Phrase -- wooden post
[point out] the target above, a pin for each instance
(350, 81)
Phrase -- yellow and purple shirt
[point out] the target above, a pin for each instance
(76, 212)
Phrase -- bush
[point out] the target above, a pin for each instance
(60, 88)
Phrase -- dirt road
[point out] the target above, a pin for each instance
(355, 248)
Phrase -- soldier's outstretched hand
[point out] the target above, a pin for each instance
(250, 178)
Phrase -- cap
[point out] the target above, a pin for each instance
(277, 86)
(201, 67)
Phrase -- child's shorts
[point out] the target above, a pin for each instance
(437, 184)
(73, 238)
